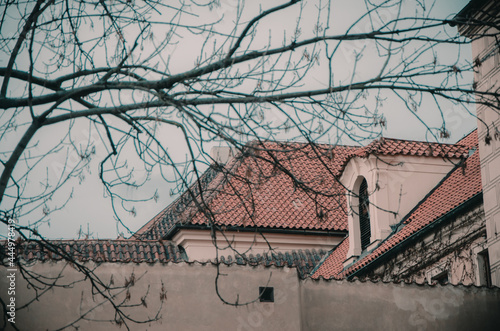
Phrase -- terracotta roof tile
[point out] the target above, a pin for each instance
(333, 264)
(389, 146)
(253, 192)
(97, 250)
(304, 260)
(150, 252)
(462, 184)
(470, 140)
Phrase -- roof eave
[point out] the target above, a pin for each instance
(467, 19)
(177, 227)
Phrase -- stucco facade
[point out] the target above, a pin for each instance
(199, 244)
(183, 297)
(486, 56)
(342, 305)
(395, 185)
(451, 253)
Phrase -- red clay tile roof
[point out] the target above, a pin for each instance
(304, 260)
(136, 251)
(260, 195)
(98, 251)
(254, 192)
(462, 184)
(333, 264)
(388, 146)
(300, 193)
(470, 140)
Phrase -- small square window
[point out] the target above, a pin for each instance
(266, 294)
(441, 278)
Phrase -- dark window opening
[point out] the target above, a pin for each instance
(364, 215)
(266, 294)
(441, 278)
(182, 253)
(484, 268)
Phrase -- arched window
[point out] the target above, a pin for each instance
(364, 215)
(182, 252)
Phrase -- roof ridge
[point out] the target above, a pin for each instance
(302, 143)
(393, 146)
(405, 282)
(384, 139)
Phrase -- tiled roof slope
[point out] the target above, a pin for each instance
(135, 251)
(470, 140)
(462, 184)
(97, 251)
(332, 266)
(262, 195)
(388, 146)
(304, 260)
(300, 192)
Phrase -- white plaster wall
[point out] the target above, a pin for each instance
(487, 77)
(396, 184)
(199, 244)
(405, 180)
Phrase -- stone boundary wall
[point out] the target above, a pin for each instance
(183, 296)
(342, 305)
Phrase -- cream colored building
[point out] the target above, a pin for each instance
(486, 56)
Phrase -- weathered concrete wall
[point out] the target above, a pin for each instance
(341, 305)
(191, 301)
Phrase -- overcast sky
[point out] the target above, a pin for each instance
(89, 210)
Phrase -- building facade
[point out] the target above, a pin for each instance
(486, 57)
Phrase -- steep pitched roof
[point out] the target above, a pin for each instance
(462, 184)
(291, 186)
(333, 264)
